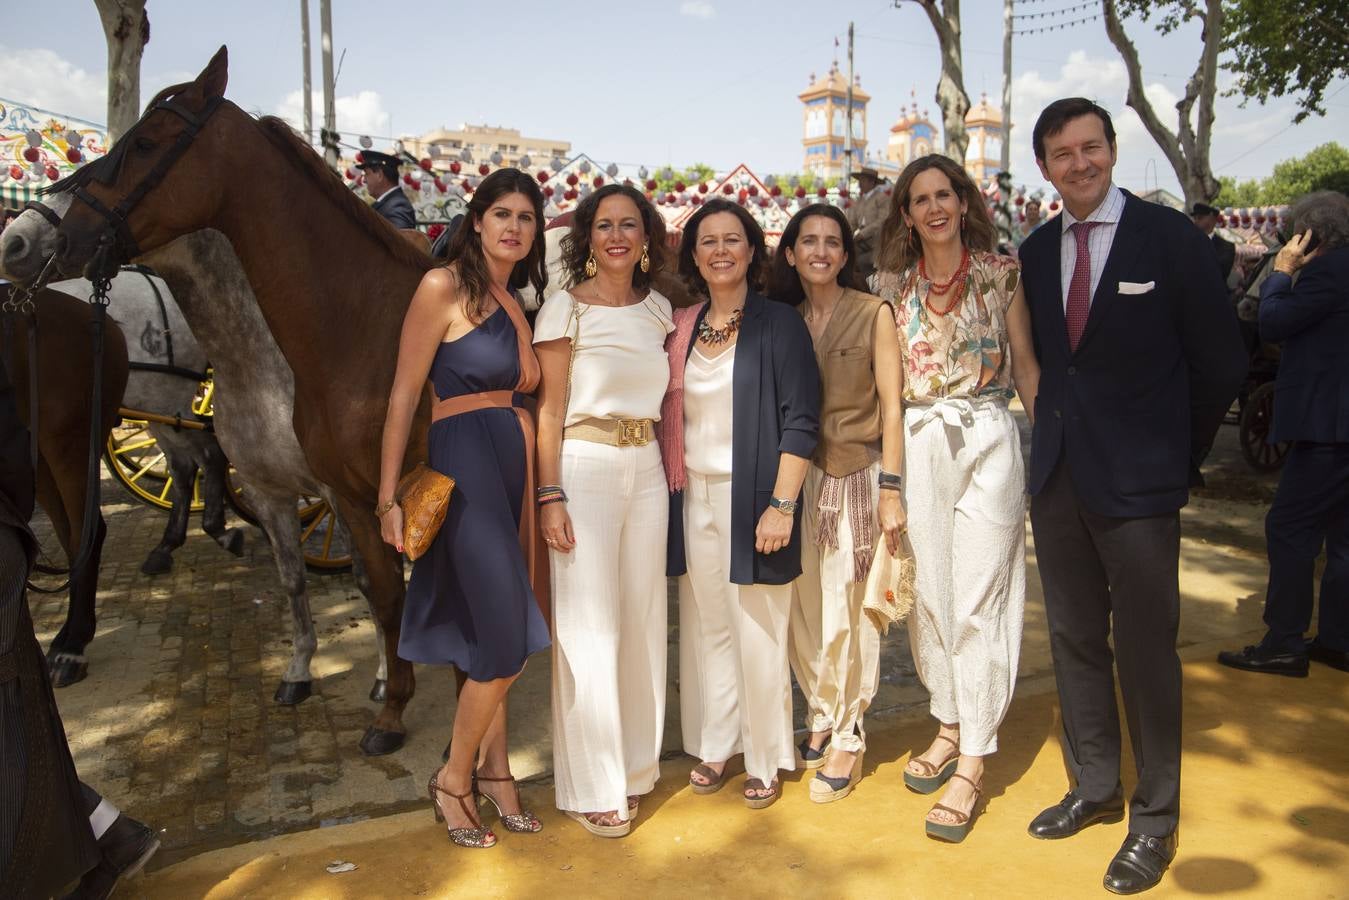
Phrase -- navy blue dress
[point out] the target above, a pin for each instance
(469, 601)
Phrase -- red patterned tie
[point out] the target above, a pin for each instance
(1079, 289)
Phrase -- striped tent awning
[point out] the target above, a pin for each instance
(38, 146)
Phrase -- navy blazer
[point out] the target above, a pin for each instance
(1134, 410)
(1311, 319)
(775, 404)
(397, 208)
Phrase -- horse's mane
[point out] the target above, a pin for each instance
(285, 138)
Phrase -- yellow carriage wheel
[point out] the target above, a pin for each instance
(326, 549)
(135, 460)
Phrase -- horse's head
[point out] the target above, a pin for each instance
(156, 183)
(31, 239)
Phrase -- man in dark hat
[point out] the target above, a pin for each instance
(1206, 217)
(54, 828)
(866, 215)
(381, 180)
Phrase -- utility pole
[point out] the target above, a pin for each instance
(1006, 161)
(329, 134)
(847, 119)
(308, 89)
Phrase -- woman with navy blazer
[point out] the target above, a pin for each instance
(737, 430)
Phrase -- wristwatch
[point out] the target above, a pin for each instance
(786, 507)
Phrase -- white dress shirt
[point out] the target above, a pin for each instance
(1098, 243)
(380, 198)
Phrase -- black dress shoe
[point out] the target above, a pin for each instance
(1270, 662)
(1140, 862)
(1336, 659)
(123, 849)
(1071, 814)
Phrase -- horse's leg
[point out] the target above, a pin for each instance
(183, 471)
(66, 479)
(213, 493)
(379, 691)
(276, 513)
(384, 568)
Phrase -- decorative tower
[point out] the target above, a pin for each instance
(983, 156)
(824, 133)
(912, 136)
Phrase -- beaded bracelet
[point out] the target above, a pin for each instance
(550, 493)
(556, 498)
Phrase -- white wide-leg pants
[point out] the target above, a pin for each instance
(835, 648)
(734, 686)
(609, 627)
(965, 487)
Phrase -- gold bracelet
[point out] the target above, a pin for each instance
(385, 507)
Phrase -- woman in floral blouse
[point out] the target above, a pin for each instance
(965, 343)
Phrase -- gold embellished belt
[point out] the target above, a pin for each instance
(615, 432)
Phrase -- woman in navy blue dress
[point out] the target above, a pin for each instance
(471, 601)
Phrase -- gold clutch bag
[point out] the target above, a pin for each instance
(424, 495)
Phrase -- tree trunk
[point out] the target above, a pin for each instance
(126, 26)
(1187, 149)
(951, 96)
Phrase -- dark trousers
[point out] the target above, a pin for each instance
(1097, 570)
(1311, 507)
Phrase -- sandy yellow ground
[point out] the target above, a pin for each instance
(1265, 798)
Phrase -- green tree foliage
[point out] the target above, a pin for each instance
(1281, 47)
(1325, 168)
(690, 177)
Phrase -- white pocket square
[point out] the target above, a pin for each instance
(1135, 287)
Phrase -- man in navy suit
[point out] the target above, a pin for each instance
(1311, 409)
(1140, 357)
(381, 180)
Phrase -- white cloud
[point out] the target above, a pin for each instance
(698, 9)
(41, 78)
(357, 114)
(1106, 81)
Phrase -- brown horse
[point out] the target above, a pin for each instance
(333, 281)
(65, 384)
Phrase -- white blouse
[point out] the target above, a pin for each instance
(707, 412)
(619, 369)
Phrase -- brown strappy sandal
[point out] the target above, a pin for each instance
(933, 777)
(477, 837)
(957, 832)
(523, 822)
(715, 779)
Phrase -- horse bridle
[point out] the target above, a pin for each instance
(119, 229)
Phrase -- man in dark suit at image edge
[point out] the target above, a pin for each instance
(1140, 357)
(381, 181)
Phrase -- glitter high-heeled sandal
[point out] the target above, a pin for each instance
(478, 837)
(523, 822)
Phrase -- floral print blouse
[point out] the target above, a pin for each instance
(965, 353)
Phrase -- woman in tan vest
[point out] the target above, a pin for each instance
(852, 490)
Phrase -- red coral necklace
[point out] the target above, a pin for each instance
(957, 281)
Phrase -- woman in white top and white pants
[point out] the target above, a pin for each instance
(605, 508)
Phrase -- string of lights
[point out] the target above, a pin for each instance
(1058, 26)
(1054, 13)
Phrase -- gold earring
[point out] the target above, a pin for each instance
(645, 261)
(591, 266)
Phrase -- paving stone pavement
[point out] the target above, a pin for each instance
(176, 722)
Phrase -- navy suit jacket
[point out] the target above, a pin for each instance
(1133, 411)
(775, 405)
(397, 208)
(1311, 319)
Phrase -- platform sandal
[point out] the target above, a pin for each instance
(808, 757)
(824, 789)
(597, 829)
(715, 779)
(933, 777)
(476, 837)
(960, 829)
(523, 822)
(754, 801)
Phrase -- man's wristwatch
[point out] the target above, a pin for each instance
(786, 507)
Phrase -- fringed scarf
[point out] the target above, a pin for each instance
(856, 486)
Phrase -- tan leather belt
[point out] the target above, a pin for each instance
(614, 432)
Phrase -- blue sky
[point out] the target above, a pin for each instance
(664, 81)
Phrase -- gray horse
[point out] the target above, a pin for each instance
(254, 404)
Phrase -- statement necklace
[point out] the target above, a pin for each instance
(956, 281)
(714, 336)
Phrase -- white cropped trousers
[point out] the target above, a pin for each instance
(610, 627)
(734, 686)
(965, 487)
(835, 648)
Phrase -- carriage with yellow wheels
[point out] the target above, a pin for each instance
(136, 460)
